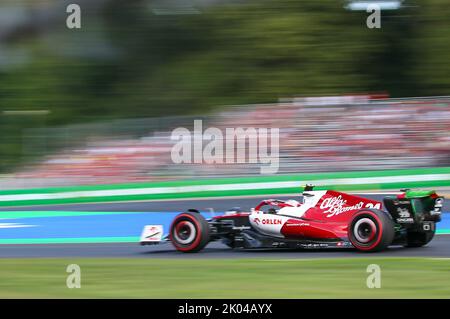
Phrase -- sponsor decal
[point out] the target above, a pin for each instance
(152, 233)
(267, 221)
(403, 212)
(428, 226)
(298, 224)
(271, 221)
(405, 220)
(437, 206)
(337, 205)
(343, 244)
(315, 245)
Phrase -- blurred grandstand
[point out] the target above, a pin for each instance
(68, 98)
(316, 135)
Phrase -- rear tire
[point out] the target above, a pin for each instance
(416, 239)
(189, 232)
(371, 230)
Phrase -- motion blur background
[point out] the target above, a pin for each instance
(98, 104)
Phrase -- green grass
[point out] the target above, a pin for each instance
(225, 278)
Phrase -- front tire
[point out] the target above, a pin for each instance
(371, 230)
(189, 232)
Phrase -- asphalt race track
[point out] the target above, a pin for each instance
(438, 248)
(139, 212)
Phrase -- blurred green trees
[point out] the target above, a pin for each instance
(144, 64)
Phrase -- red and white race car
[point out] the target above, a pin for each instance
(323, 219)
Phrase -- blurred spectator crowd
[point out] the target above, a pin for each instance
(316, 135)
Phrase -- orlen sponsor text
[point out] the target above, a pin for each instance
(268, 221)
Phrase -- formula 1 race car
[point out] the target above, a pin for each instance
(324, 219)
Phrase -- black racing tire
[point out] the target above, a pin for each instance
(189, 232)
(371, 230)
(418, 239)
